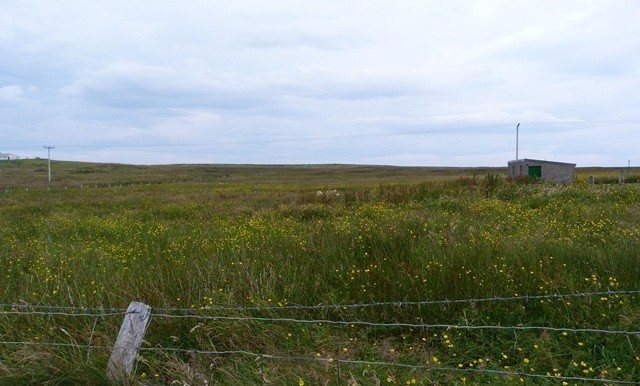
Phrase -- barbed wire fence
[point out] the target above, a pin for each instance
(207, 313)
(76, 185)
(8, 188)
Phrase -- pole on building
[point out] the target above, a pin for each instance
(49, 158)
(517, 135)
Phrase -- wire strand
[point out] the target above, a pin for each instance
(393, 364)
(100, 311)
(409, 325)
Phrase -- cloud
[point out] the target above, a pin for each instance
(129, 85)
(359, 81)
(12, 93)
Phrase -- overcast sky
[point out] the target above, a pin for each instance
(400, 82)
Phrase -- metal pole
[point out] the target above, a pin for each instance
(49, 158)
(517, 135)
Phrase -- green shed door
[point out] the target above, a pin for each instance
(535, 171)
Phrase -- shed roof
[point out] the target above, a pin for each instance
(542, 162)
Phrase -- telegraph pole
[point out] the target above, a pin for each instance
(517, 134)
(49, 158)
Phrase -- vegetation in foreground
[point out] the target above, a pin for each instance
(254, 250)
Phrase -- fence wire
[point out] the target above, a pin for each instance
(525, 298)
(10, 310)
(434, 368)
(408, 325)
(339, 361)
(100, 311)
(59, 313)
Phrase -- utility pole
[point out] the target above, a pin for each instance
(517, 135)
(49, 158)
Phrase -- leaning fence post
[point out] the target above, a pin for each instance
(128, 342)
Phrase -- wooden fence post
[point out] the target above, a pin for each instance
(128, 342)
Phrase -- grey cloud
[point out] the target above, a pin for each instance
(134, 86)
(365, 81)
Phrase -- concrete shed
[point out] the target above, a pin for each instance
(548, 171)
(7, 156)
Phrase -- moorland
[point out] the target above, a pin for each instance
(318, 274)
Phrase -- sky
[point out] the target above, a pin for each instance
(393, 82)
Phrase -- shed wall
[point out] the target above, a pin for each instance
(552, 172)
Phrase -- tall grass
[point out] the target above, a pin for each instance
(198, 245)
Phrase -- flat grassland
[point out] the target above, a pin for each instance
(318, 274)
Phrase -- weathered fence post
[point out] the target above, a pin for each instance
(128, 342)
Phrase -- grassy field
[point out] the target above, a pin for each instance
(250, 259)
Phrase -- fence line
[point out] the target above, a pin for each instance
(86, 184)
(339, 361)
(411, 303)
(57, 313)
(56, 344)
(393, 364)
(95, 310)
(82, 185)
(99, 311)
(410, 325)
(196, 313)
